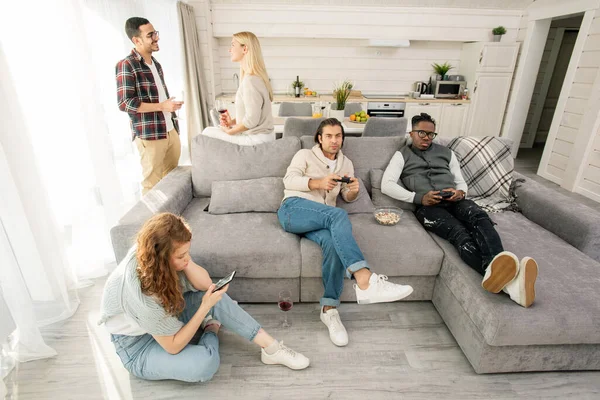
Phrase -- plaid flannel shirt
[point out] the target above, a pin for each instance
(135, 84)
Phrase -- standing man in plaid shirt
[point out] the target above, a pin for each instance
(142, 93)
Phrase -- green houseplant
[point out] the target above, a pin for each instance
(341, 92)
(442, 69)
(498, 32)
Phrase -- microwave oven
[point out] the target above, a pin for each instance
(449, 89)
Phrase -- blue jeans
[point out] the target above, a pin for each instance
(143, 357)
(331, 229)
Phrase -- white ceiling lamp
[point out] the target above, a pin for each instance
(389, 42)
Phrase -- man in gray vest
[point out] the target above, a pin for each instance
(428, 175)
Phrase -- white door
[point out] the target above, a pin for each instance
(454, 118)
(498, 57)
(412, 109)
(488, 103)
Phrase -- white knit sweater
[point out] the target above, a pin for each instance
(123, 295)
(310, 164)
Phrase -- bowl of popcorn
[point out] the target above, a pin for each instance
(388, 215)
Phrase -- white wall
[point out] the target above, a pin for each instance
(588, 183)
(321, 62)
(362, 22)
(328, 42)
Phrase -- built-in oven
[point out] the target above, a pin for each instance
(391, 109)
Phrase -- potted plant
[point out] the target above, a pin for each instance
(297, 85)
(341, 92)
(442, 69)
(498, 32)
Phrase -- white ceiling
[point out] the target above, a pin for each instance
(488, 4)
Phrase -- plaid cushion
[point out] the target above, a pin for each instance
(487, 166)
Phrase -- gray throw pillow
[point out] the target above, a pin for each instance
(218, 160)
(252, 195)
(362, 204)
(383, 200)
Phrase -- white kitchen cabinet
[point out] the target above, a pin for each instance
(489, 57)
(488, 102)
(412, 109)
(453, 120)
(488, 69)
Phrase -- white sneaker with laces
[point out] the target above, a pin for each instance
(381, 291)
(337, 332)
(285, 356)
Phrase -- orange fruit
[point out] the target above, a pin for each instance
(352, 117)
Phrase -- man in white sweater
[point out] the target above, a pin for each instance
(312, 183)
(432, 180)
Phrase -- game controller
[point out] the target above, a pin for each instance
(344, 179)
(446, 195)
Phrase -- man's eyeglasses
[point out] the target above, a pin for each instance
(153, 35)
(423, 134)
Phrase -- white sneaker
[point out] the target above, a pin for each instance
(522, 289)
(501, 271)
(285, 356)
(381, 291)
(337, 332)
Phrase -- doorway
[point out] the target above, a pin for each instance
(553, 68)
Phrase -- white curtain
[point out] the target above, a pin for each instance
(68, 168)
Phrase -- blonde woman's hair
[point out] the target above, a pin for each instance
(253, 62)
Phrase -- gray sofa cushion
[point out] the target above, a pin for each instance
(383, 200)
(253, 244)
(362, 204)
(401, 250)
(366, 153)
(259, 195)
(567, 305)
(217, 160)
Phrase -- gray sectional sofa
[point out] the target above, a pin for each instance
(561, 331)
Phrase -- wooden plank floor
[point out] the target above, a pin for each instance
(396, 351)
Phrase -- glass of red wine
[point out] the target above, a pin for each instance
(285, 304)
(221, 106)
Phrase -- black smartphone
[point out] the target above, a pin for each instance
(446, 195)
(223, 282)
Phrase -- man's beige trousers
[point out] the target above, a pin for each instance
(158, 158)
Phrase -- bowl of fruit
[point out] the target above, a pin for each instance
(359, 117)
(388, 216)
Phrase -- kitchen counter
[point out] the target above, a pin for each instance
(279, 98)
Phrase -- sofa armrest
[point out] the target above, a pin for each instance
(568, 219)
(172, 194)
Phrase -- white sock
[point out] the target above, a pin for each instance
(272, 348)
